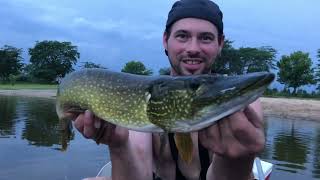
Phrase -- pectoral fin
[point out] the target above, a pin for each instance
(184, 145)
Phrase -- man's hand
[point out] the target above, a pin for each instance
(91, 127)
(238, 135)
(130, 153)
(235, 141)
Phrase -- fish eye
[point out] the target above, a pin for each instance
(194, 85)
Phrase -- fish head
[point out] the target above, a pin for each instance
(218, 89)
(215, 96)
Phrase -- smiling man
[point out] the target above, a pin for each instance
(192, 45)
(192, 40)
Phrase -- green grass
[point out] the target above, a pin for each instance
(27, 86)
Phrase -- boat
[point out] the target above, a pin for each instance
(261, 169)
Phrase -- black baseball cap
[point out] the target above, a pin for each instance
(202, 9)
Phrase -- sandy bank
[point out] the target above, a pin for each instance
(281, 107)
(292, 108)
(30, 92)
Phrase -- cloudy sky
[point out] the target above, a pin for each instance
(111, 32)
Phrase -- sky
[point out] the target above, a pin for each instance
(112, 32)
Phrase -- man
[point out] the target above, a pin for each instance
(193, 38)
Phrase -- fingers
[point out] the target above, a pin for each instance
(237, 135)
(91, 127)
(71, 115)
(78, 123)
(240, 126)
(87, 124)
(254, 114)
(210, 138)
(108, 131)
(89, 131)
(247, 122)
(225, 143)
(112, 135)
(97, 123)
(248, 134)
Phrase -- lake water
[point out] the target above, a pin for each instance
(33, 146)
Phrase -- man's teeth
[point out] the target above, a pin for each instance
(192, 62)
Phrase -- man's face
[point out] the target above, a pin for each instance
(192, 46)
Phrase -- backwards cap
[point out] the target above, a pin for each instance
(202, 9)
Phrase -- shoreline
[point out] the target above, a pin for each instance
(296, 109)
(44, 93)
(289, 108)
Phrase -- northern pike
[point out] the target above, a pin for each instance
(178, 104)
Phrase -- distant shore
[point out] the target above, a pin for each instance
(47, 93)
(305, 109)
(280, 107)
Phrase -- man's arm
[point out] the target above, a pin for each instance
(130, 151)
(235, 140)
(133, 160)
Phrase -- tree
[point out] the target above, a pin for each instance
(12, 79)
(165, 71)
(136, 67)
(51, 60)
(88, 64)
(257, 59)
(318, 70)
(295, 70)
(228, 60)
(244, 60)
(10, 61)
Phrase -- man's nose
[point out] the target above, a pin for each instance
(193, 47)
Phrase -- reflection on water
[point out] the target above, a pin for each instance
(41, 124)
(33, 143)
(316, 159)
(34, 146)
(42, 127)
(8, 116)
(293, 147)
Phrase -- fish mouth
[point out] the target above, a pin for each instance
(262, 80)
(225, 88)
(215, 105)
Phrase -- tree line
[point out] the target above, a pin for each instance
(51, 60)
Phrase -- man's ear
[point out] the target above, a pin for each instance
(221, 44)
(165, 40)
(220, 49)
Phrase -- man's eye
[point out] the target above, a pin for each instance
(207, 39)
(181, 37)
